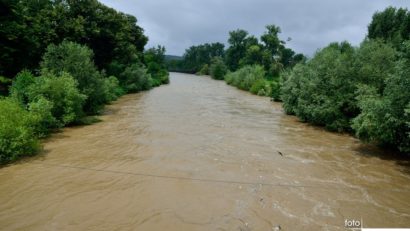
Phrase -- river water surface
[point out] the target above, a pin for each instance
(200, 155)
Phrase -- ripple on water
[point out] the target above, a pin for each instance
(198, 154)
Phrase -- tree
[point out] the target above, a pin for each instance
(26, 30)
(60, 92)
(154, 59)
(135, 78)
(28, 27)
(271, 40)
(196, 57)
(112, 35)
(254, 55)
(237, 49)
(77, 60)
(18, 90)
(390, 25)
(248, 78)
(17, 137)
(217, 69)
(375, 61)
(276, 52)
(323, 91)
(384, 117)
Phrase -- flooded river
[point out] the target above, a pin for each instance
(200, 155)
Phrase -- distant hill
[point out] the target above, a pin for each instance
(172, 57)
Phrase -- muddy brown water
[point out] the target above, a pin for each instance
(200, 155)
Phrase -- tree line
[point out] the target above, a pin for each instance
(269, 51)
(362, 90)
(61, 61)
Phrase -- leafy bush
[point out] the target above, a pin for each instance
(364, 89)
(261, 87)
(155, 61)
(135, 78)
(246, 77)
(292, 82)
(384, 117)
(4, 85)
(218, 68)
(375, 61)
(62, 92)
(57, 94)
(325, 88)
(275, 90)
(161, 77)
(77, 60)
(204, 70)
(41, 109)
(17, 137)
(19, 87)
(112, 88)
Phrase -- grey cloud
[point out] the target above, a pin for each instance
(312, 24)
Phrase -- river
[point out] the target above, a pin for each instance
(200, 155)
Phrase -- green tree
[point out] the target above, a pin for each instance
(247, 78)
(77, 60)
(135, 78)
(17, 137)
(112, 88)
(323, 91)
(218, 68)
(196, 56)
(375, 61)
(28, 27)
(391, 25)
(271, 40)
(237, 48)
(18, 90)
(112, 35)
(204, 70)
(154, 59)
(253, 55)
(67, 102)
(384, 117)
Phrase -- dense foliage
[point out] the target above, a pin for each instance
(363, 90)
(326, 88)
(196, 57)
(250, 78)
(154, 59)
(135, 78)
(270, 52)
(63, 52)
(218, 69)
(17, 137)
(62, 93)
(77, 60)
(384, 116)
(28, 27)
(391, 25)
(244, 49)
(204, 70)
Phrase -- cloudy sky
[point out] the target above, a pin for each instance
(178, 24)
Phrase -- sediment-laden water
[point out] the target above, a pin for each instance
(200, 155)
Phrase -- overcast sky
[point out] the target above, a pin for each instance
(312, 24)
